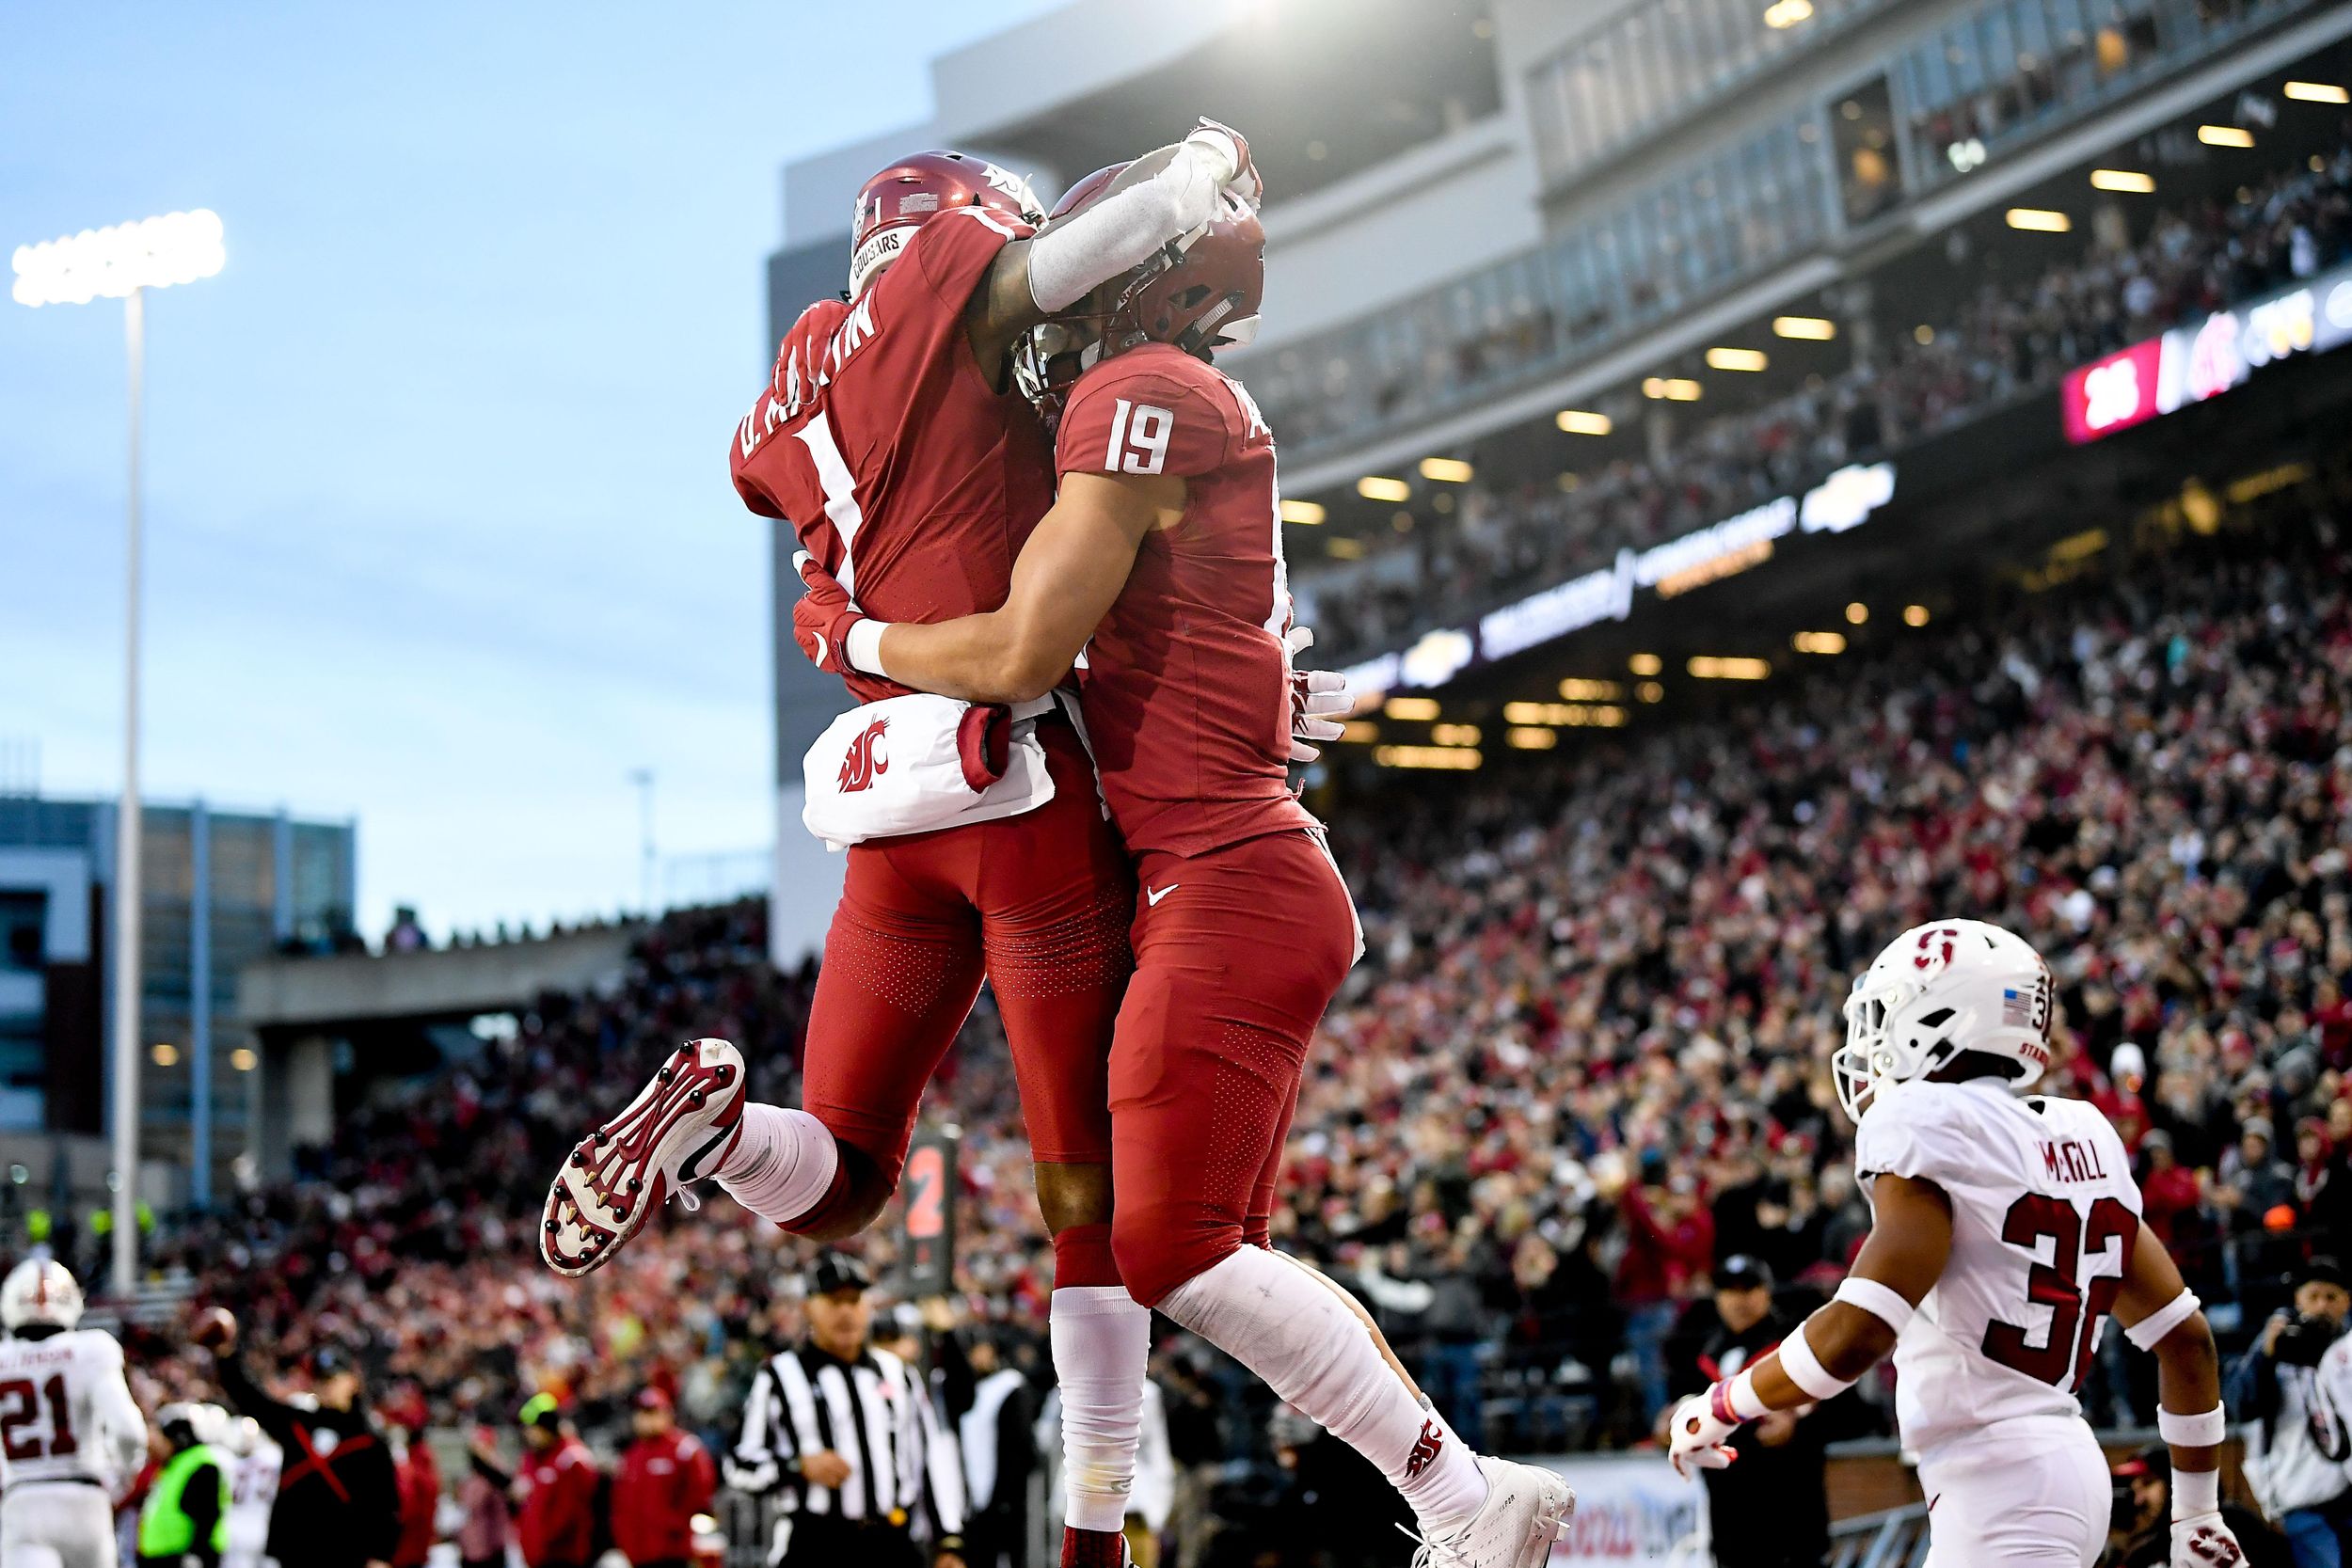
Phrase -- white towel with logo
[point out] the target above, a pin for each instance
(897, 766)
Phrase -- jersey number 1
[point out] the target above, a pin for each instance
(2075, 1311)
(20, 1406)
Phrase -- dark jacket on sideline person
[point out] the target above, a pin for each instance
(338, 1500)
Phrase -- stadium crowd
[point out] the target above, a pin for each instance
(1583, 1059)
(2006, 340)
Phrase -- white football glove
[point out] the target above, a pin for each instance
(1228, 154)
(1701, 1438)
(1319, 700)
(2202, 1540)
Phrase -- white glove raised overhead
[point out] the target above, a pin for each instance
(1319, 700)
(1227, 154)
(1700, 1438)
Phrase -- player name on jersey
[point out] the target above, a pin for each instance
(2066, 1160)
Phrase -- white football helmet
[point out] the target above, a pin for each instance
(39, 1290)
(245, 1437)
(1939, 990)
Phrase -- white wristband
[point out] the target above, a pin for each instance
(2196, 1491)
(863, 646)
(1804, 1368)
(2163, 1319)
(1881, 1302)
(2205, 1430)
(1742, 1397)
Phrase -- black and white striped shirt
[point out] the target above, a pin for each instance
(874, 1413)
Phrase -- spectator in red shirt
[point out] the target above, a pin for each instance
(2168, 1190)
(1671, 1241)
(666, 1477)
(557, 1523)
(419, 1481)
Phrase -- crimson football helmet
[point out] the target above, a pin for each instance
(910, 193)
(1201, 292)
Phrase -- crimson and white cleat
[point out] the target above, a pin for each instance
(671, 1135)
(1526, 1509)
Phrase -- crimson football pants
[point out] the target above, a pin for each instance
(1040, 903)
(1237, 953)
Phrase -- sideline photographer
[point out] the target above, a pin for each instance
(2294, 1385)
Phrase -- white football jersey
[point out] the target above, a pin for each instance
(252, 1491)
(64, 1412)
(2045, 1213)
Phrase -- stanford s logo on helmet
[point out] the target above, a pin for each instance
(901, 199)
(1939, 990)
(40, 1291)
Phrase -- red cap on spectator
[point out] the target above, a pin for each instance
(652, 1399)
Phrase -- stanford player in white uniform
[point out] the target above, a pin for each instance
(2005, 1232)
(70, 1431)
(1162, 558)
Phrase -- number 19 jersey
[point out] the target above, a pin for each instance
(2044, 1214)
(64, 1412)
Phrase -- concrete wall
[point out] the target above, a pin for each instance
(445, 983)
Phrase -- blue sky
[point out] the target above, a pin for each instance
(439, 533)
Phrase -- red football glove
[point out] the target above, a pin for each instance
(1233, 148)
(822, 618)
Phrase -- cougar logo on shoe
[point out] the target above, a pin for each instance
(865, 759)
(1426, 1449)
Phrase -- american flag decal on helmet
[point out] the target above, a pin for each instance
(2016, 1010)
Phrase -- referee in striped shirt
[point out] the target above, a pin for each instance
(844, 1437)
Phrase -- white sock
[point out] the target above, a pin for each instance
(1101, 1343)
(1292, 1329)
(782, 1164)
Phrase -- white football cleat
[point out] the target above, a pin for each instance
(671, 1136)
(1526, 1509)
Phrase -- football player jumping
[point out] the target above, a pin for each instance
(893, 440)
(2005, 1231)
(1162, 558)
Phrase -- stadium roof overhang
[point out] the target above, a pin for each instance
(1324, 89)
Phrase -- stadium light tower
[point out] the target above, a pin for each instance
(123, 262)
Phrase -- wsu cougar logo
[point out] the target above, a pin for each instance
(866, 758)
(1426, 1449)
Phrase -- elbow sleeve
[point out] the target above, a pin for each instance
(1068, 260)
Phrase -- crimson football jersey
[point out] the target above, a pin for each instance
(1186, 688)
(908, 477)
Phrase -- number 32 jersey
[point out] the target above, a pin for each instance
(64, 1412)
(2044, 1214)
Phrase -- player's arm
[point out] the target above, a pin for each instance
(1159, 199)
(1069, 573)
(1911, 1238)
(120, 1420)
(2161, 1314)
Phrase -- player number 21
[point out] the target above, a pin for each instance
(20, 1407)
(1139, 433)
(2077, 1306)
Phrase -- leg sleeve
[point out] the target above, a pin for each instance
(902, 966)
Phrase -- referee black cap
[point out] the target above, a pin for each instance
(837, 1271)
